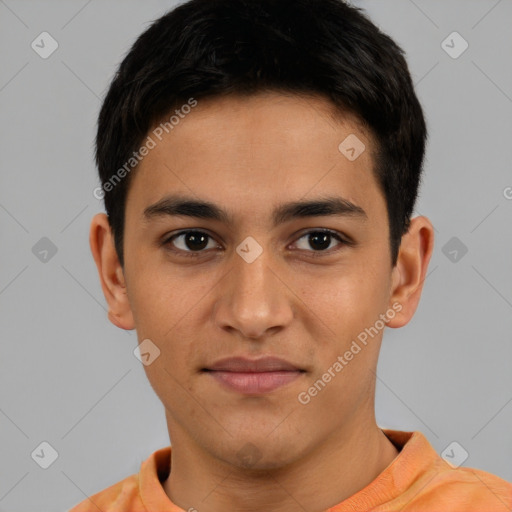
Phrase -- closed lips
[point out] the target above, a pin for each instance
(245, 365)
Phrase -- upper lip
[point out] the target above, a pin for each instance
(243, 364)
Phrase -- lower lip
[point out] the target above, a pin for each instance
(255, 382)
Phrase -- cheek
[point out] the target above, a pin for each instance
(346, 299)
(158, 297)
(348, 305)
(171, 310)
(149, 300)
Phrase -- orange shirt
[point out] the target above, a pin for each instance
(418, 480)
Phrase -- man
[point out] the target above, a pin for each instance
(260, 162)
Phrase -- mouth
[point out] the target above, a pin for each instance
(253, 376)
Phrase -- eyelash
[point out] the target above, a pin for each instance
(315, 254)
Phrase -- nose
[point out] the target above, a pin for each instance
(254, 300)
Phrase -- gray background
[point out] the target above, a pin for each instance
(70, 378)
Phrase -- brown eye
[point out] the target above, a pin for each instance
(319, 240)
(192, 241)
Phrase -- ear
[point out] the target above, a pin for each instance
(410, 270)
(111, 273)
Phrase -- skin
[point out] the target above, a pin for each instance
(249, 155)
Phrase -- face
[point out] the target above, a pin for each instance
(254, 274)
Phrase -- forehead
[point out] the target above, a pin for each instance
(253, 151)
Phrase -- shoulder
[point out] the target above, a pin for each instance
(120, 497)
(425, 482)
(465, 490)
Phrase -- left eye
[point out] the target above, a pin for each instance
(318, 240)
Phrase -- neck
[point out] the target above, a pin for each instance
(345, 463)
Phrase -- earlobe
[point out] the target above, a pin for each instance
(409, 274)
(110, 272)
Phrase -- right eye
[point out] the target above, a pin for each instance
(190, 241)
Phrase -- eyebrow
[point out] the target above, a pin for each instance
(189, 207)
